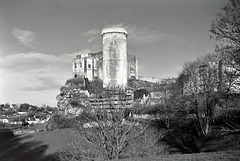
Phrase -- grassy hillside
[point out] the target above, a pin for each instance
(214, 156)
(57, 141)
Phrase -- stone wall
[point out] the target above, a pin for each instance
(113, 65)
(88, 66)
(114, 57)
(132, 67)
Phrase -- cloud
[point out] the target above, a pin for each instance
(140, 35)
(92, 32)
(35, 88)
(178, 68)
(117, 25)
(24, 37)
(36, 71)
(137, 35)
(44, 83)
(141, 67)
(92, 35)
(34, 60)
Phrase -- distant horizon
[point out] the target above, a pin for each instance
(39, 39)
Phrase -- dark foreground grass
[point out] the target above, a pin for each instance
(213, 156)
(13, 148)
(57, 141)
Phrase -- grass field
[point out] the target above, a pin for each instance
(57, 141)
(218, 156)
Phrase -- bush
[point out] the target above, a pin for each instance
(183, 137)
(58, 121)
(76, 81)
(182, 141)
(138, 94)
(229, 118)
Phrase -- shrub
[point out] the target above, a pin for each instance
(138, 94)
(229, 119)
(58, 121)
(76, 81)
(183, 141)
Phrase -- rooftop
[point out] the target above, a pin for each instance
(114, 30)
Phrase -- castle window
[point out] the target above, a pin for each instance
(89, 65)
(75, 65)
(81, 65)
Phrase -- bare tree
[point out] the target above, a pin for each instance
(200, 91)
(226, 26)
(226, 29)
(167, 107)
(106, 133)
(230, 68)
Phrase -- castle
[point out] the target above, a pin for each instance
(113, 65)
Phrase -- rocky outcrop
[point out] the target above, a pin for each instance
(76, 95)
(72, 100)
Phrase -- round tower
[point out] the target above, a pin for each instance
(114, 57)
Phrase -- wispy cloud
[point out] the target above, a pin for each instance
(137, 35)
(92, 32)
(24, 37)
(92, 35)
(44, 83)
(36, 71)
(142, 35)
(141, 67)
(116, 25)
(35, 88)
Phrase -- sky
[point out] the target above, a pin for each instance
(39, 39)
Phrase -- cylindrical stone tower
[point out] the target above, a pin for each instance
(114, 57)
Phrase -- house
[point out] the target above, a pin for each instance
(23, 113)
(37, 120)
(4, 119)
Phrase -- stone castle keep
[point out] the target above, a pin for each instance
(113, 65)
(105, 79)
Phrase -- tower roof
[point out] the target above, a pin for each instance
(114, 30)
